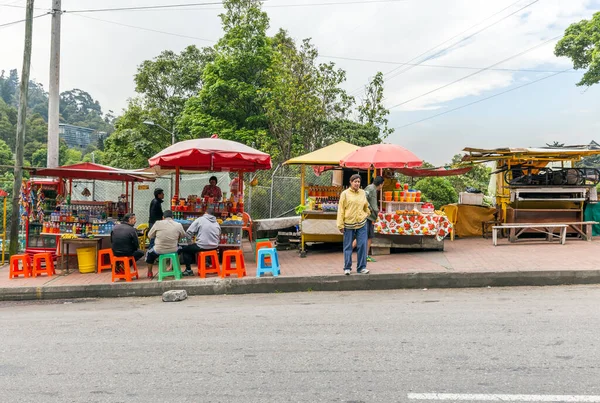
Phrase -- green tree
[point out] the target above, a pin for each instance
(478, 177)
(371, 111)
(350, 132)
(230, 101)
(581, 44)
(438, 191)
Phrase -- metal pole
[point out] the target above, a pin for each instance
(20, 139)
(54, 87)
(271, 202)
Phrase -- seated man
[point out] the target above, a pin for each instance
(166, 234)
(208, 234)
(124, 239)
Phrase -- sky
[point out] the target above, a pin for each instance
(487, 49)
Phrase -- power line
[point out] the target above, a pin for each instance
(477, 72)
(481, 100)
(187, 5)
(20, 21)
(357, 90)
(146, 29)
(436, 65)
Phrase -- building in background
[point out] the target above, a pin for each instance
(79, 137)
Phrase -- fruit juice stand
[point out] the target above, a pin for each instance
(210, 155)
(318, 204)
(60, 221)
(404, 220)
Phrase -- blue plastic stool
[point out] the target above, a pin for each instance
(162, 266)
(262, 267)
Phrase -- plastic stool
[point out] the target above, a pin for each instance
(101, 254)
(240, 265)
(214, 269)
(15, 270)
(262, 243)
(162, 266)
(127, 266)
(37, 264)
(262, 266)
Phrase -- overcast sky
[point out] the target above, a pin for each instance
(100, 55)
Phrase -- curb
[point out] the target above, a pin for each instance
(303, 284)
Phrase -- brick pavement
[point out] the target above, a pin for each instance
(462, 255)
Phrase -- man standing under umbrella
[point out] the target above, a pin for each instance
(156, 213)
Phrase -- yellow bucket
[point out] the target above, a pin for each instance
(86, 259)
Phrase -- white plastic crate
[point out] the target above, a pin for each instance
(470, 198)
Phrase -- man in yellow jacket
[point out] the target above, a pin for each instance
(353, 210)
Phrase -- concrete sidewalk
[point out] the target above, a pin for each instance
(472, 262)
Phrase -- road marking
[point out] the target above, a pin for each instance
(503, 398)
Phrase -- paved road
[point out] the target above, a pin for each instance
(310, 347)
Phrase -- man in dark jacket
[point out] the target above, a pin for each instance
(156, 213)
(124, 238)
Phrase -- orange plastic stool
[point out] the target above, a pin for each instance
(214, 269)
(102, 253)
(240, 265)
(127, 266)
(37, 264)
(263, 244)
(15, 270)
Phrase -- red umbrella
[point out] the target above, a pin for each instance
(211, 154)
(381, 156)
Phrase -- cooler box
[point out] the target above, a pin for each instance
(470, 198)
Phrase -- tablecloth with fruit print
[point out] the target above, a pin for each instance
(418, 224)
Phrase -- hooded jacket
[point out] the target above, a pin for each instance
(207, 232)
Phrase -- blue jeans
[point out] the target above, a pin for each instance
(361, 245)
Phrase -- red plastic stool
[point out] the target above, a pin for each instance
(16, 270)
(128, 265)
(102, 253)
(240, 265)
(37, 264)
(214, 269)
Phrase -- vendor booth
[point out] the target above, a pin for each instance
(319, 203)
(211, 155)
(50, 219)
(541, 185)
(405, 220)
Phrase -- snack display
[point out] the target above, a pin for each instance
(413, 223)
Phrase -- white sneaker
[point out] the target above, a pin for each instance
(347, 272)
(363, 271)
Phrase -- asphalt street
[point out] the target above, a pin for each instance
(493, 344)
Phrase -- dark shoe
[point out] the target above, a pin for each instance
(187, 273)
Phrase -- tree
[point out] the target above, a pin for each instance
(169, 80)
(230, 101)
(350, 132)
(581, 44)
(438, 191)
(371, 111)
(478, 177)
(8, 87)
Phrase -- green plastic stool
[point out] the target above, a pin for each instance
(162, 267)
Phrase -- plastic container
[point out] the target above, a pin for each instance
(86, 259)
(470, 198)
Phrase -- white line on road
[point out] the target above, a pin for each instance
(503, 398)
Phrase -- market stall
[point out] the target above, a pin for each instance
(211, 155)
(48, 212)
(319, 203)
(541, 185)
(405, 220)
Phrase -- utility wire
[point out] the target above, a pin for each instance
(20, 21)
(481, 100)
(359, 89)
(146, 29)
(477, 72)
(187, 5)
(464, 39)
(436, 65)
